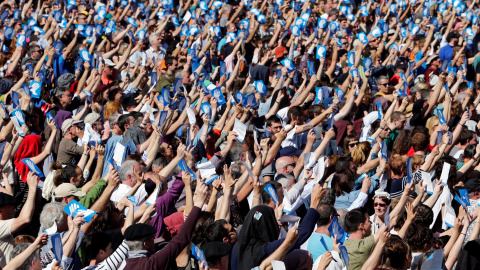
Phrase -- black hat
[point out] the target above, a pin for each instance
(215, 250)
(472, 185)
(6, 199)
(139, 231)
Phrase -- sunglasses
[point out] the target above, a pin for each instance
(379, 204)
(383, 84)
(353, 144)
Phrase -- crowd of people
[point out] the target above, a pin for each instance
(239, 134)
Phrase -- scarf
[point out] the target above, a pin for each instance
(132, 255)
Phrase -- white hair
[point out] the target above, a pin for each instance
(52, 212)
(126, 169)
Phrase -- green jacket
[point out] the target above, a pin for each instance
(93, 194)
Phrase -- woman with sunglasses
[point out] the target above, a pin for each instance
(381, 201)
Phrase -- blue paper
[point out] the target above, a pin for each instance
(183, 165)
(153, 79)
(318, 95)
(198, 253)
(261, 88)
(211, 179)
(218, 95)
(19, 115)
(340, 94)
(7, 116)
(35, 89)
(85, 55)
(311, 68)
(162, 118)
(57, 246)
(239, 97)
(288, 64)
(8, 33)
(351, 59)
(336, 230)
(206, 109)
(441, 118)
(21, 40)
(15, 99)
(464, 196)
(321, 51)
(250, 101)
(33, 167)
(271, 191)
(409, 171)
(367, 63)
(322, 241)
(344, 253)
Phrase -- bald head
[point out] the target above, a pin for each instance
(284, 165)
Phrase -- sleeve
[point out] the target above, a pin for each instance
(6, 228)
(307, 190)
(161, 259)
(93, 194)
(359, 201)
(118, 256)
(73, 148)
(165, 203)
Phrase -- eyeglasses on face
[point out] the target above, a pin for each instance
(379, 204)
(353, 144)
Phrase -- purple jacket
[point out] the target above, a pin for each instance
(164, 204)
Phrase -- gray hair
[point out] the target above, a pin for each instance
(113, 119)
(52, 212)
(329, 197)
(284, 179)
(134, 245)
(152, 36)
(383, 77)
(161, 161)
(126, 169)
(341, 219)
(21, 248)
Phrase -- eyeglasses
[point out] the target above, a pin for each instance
(383, 84)
(379, 204)
(292, 164)
(353, 144)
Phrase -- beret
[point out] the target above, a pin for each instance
(139, 231)
(6, 199)
(215, 250)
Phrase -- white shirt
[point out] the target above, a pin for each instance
(140, 196)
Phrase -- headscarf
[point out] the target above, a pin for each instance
(30, 147)
(418, 113)
(61, 116)
(260, 228)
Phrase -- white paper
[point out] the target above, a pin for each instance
(287, 205)
(144, 156)
(187, 16)
(191, 116)
(319, 170)
(118, 154)
(86, 137)
(240, 128)
(147, 108)
(445, 173)
(17, 126)
(309, 160)
(207, 169)
(255, 138)
(278, 265)
(52, 230)
(427, 180)
(449, 217)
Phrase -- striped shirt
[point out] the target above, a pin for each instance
(111, 263)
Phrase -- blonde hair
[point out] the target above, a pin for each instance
(111, 108)
(432, 123)
(360, 153)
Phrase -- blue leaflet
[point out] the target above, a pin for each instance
(288, 64)
(223, 68)
(359, 181)
(8, 33)
(114, 164)
(367, 63)
(35, 89)
(33, 167)
(198, 253)
(153, 79)
(331, 121)
(188, 137)
(132, 199)
(130, 34)
(85, 55)
(166, 96)
(15, 99)
(311, 68)
(57, 246)
(336, 230)
(181, 104)
(206, 109)
(250, 101)
(464, 196)
(354, 72)
(162, 118)
(183, 165)
(21, 40)
(218, 95)
(434, 261)
(318, 95)
(239, 97)
(351, 59)
(271, 191)
(447, 88)
(452, 70)
(50, 116)
(211, 179)
(441, 118)
(321, 52)
(380, 110)
(387, 217)
(19, 115)
(261, 88)
(340, 94)
(344, 253)
(409, 171)
(322, 241)
(384, 150)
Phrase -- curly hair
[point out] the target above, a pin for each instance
(419, 237)
(395, 253)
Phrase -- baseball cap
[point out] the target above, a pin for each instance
(290, 151)
(91, 118)
(279, 51)
(68, 123)
(67, 189)
(84, 13)
(431, 58)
